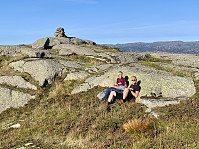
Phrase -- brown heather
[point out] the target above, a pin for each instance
(138, 125)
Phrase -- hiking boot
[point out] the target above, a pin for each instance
(103, 99)
(108, 109)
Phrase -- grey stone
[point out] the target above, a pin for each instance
(10, 98)
(15, 126)
(98, 68)
(41, 43)
(126, 57)
(66, 52)
(89, 42)
(54, 41)
(17, 81)
(43, 71)
(11, 51)
(153, 82)
(195, 71)
(76, 49)
(191, 60)
(81, 75)
(58, 41)
(81, 88)
(59, 32)
(77, 41)
(151, 102)
(71, 64)
(65, 40)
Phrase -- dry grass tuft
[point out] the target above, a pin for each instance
(138, 125)
(58, 90)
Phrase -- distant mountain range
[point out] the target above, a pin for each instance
(166, 46)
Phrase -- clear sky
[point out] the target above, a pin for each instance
(102, 21)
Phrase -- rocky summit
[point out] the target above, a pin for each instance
(50, 57)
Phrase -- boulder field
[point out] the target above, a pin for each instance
(50, 57)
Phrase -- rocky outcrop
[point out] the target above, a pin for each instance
(153, 82)
(109, 57)
(10, 98)
(61, 38)
(43, 71)
(76, 49)
(58, 57)
(11, 51)
(41, 43)
(16, 81)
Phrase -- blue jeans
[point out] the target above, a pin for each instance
(108, 91)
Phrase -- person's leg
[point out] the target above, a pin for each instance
(113, 93)
(125, 93)
(108, 91)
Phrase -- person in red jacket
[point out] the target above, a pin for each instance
(120, 85)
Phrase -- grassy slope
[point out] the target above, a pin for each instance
(57, 119)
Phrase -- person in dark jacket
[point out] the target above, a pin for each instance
(120, 86)
(131, 92)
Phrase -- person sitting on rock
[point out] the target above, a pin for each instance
(119, 87)
(129, 93)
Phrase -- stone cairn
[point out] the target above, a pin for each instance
(60, 33)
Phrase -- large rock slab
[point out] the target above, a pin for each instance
(76, 75)
(76, 49)
(10, 98)
(98, 68)
(158, 102)
(179, 59)
(11, 51)
(195, 71)
(43, 71)
(68, 40)
(153, 82)
(126, 57)
(17, 81)
(71, 64)
(110, 57)
(41, 43)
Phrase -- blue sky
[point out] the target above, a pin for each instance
(103, 21)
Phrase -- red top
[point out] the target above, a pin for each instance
(121, 81)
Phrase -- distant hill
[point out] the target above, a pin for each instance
(166, 46)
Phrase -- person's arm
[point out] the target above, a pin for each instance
(125, 85)
(116, 85)
(135, 94)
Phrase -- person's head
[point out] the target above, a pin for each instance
(120, 74)
(134, 80)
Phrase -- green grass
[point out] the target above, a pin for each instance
(57, 119)
(81, 121)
